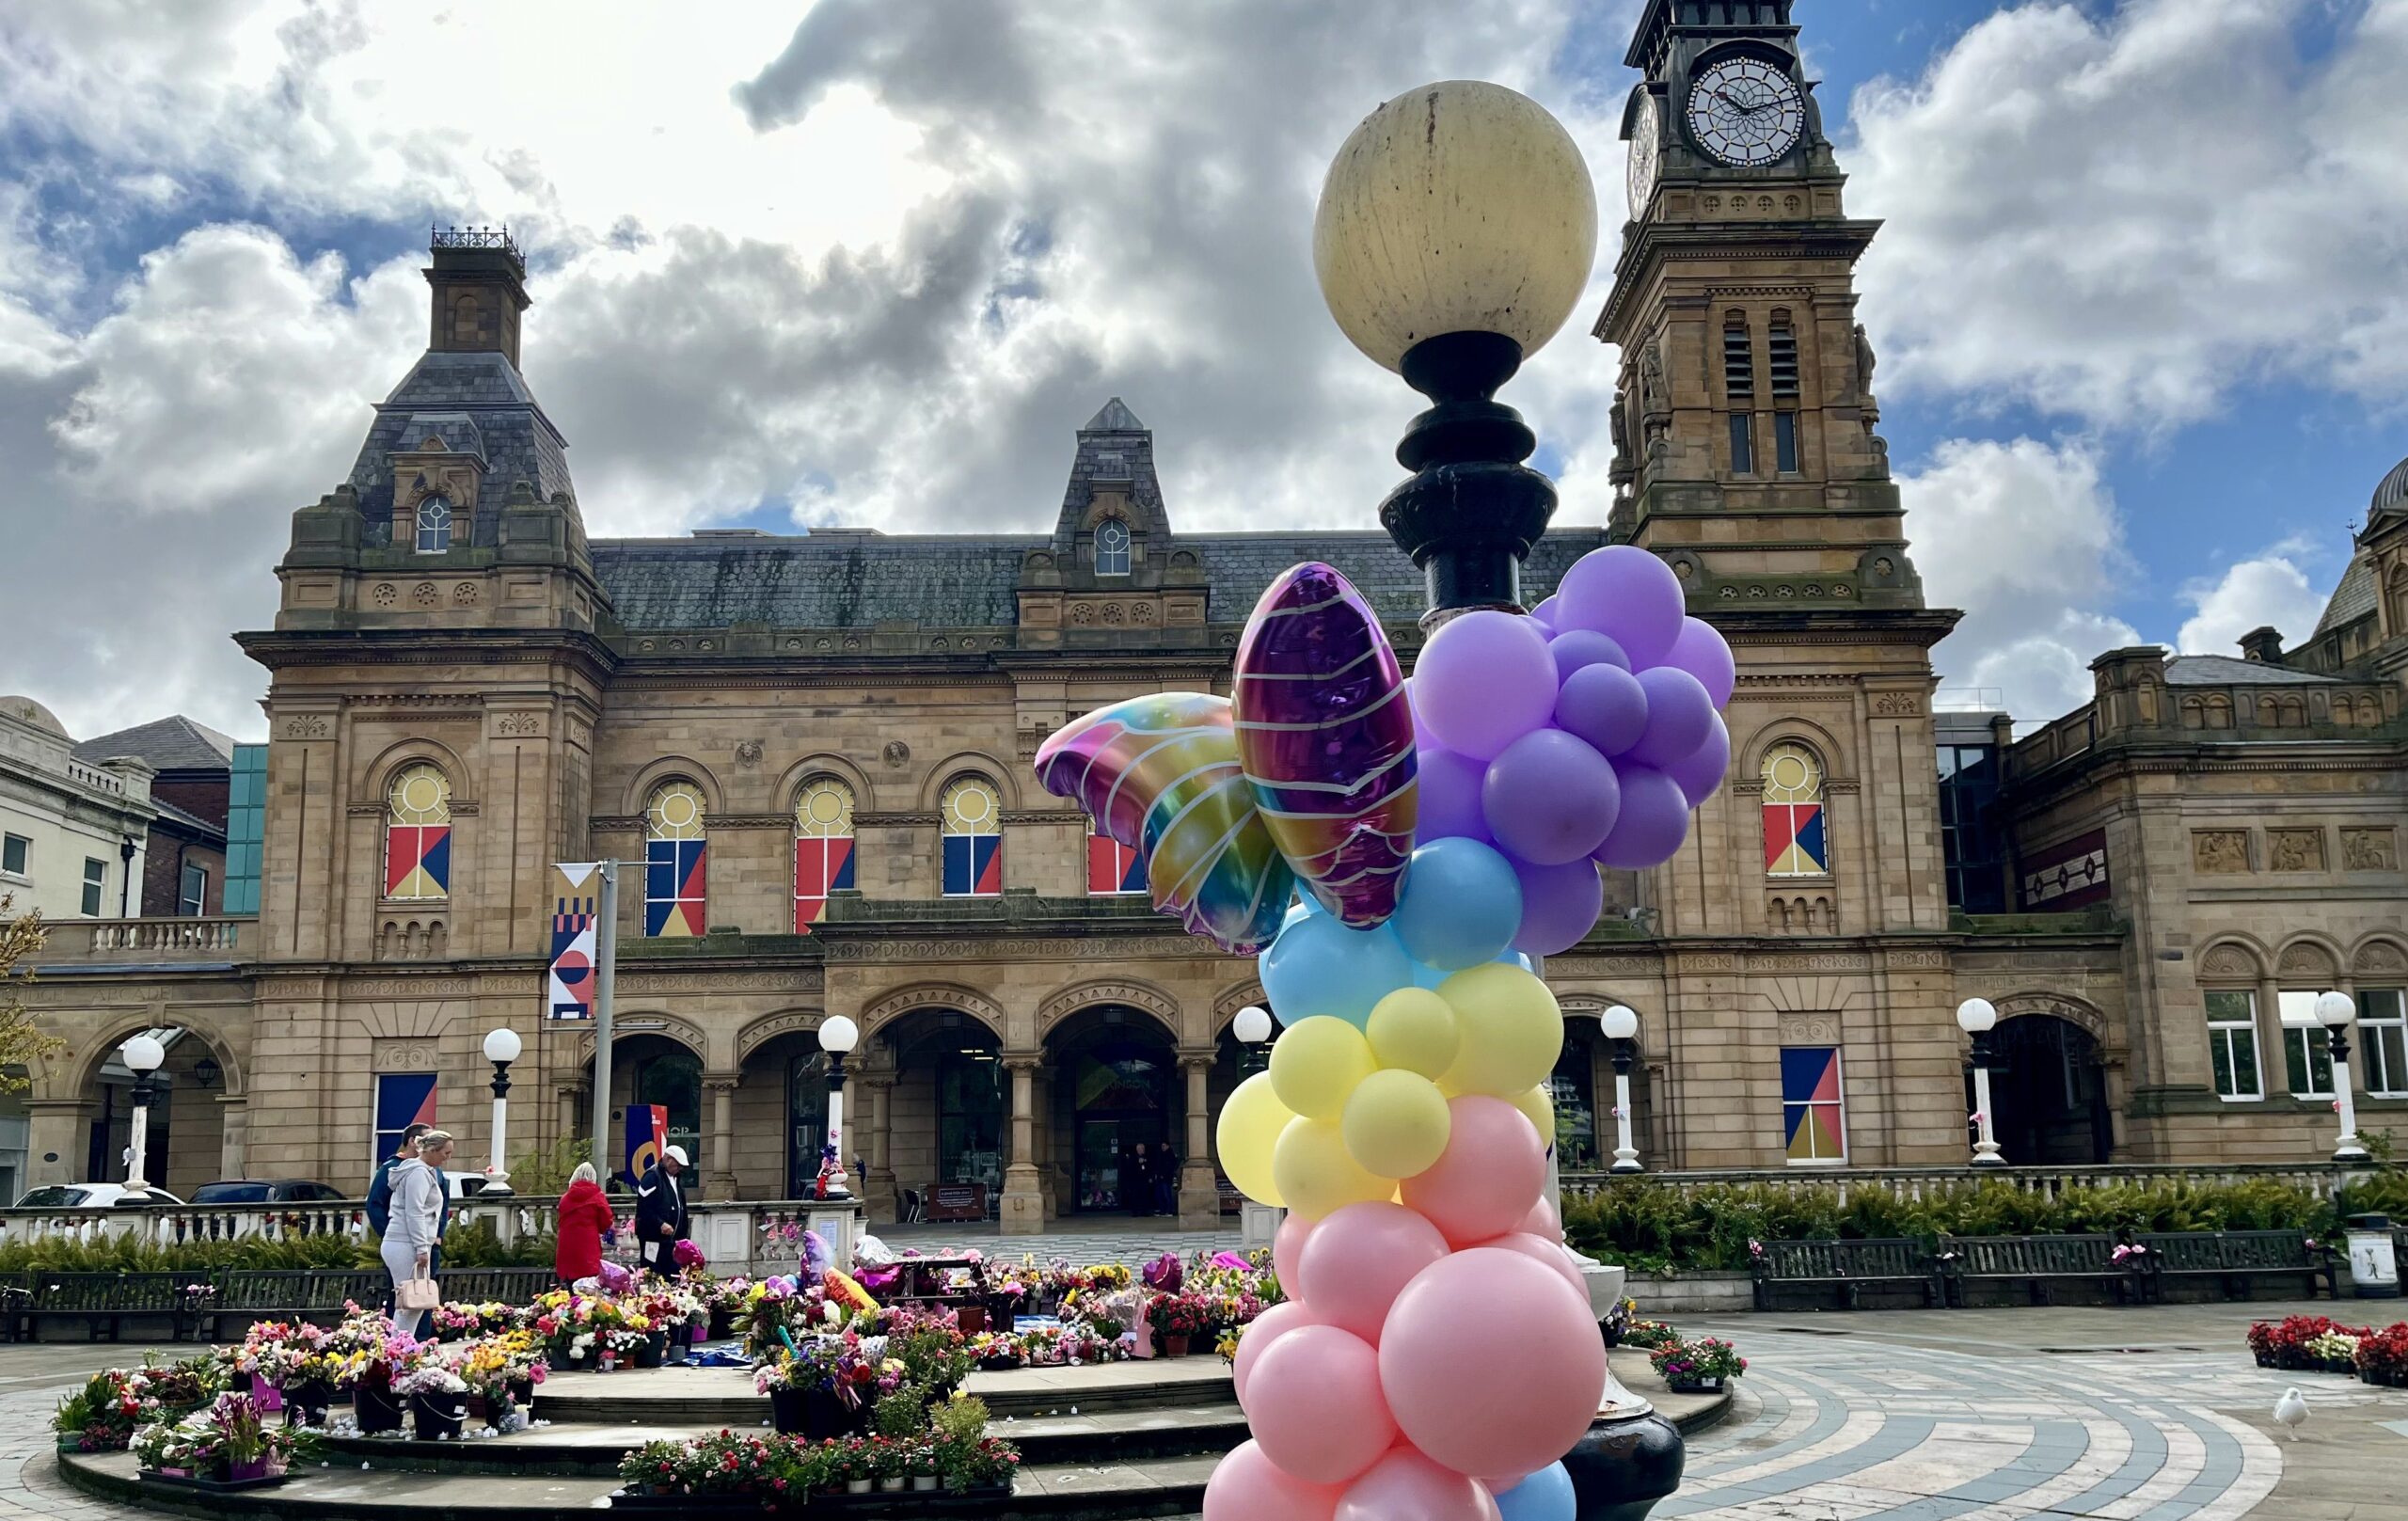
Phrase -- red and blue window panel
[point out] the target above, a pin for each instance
(1113, 867)
(821, 866)
(973, 866)
(418, 861)
(674, 880)
(1813, 1115)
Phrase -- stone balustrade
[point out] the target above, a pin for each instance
(1915, 1182)
(144, 940)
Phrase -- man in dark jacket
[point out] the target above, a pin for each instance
(663, 1219)
(380, 1196)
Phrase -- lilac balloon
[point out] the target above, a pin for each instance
(1547, 611)
(1679, 714)
(1654, 820)
(1701, 650)
(1627, 594)
(1560, 905)
(1484, 680)
(1604, 706)
(1699, 772)
(1450, 798)
(1549, 798)
(1582, 647)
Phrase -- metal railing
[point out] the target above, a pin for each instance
(1913, 1183)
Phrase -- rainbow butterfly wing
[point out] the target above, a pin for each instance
(1159, 774)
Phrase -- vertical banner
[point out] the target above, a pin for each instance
(568, 991)
(647, 1136)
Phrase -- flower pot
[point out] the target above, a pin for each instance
(558, 1360)
(376, 1410)
(1174, 1344)
(521, 1390)
(924, 1481)
(856, 1486)
(237, 1472)
(890, 1486)
(649, 1351)
(267, 1396)
(304, 1404)
(1694, 1386)
(723, 1323)
(439, 1416)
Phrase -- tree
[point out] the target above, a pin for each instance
(21, 1044)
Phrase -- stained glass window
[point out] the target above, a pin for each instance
(823, 848)
(675, 861)
(1795, 843)
(417, 834)
(974, 839)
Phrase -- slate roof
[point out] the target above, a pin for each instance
(2352, 600)
(2391, 491)
(477, 403)
(191, 821)
(169, 744)
(2223, 670)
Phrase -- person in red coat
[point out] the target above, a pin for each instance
(584, 1216)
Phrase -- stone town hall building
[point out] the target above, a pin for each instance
(823, 742)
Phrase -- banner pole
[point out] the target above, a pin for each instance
(606, 977)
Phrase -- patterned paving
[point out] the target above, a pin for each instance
(1134, 1244)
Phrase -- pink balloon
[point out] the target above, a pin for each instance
(1408, 1486)
(1541, 1251)
(1462, 1404)
(1359, 1258)
(1542, 1221)
(1486, 1179)
(1317, 1407)
(1247, 1486)
(1287, 1250)
(1267, 1327)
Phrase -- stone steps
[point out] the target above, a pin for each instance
(717, 1397)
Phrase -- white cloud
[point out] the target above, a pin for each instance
(2125, 217)
(2269, 590)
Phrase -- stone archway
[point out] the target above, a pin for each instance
(187, 1137)
(2049, 1097)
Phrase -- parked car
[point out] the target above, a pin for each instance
(260, 1191)
(464, 1185)
(92, 1196)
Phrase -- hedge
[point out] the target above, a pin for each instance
(1653, 1227)
(469, 1245)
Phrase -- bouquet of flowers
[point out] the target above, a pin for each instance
(228, 1439)
(2382, 1356)
(2130, 1256)
(273, 1352)
(726, 1463)
(1649, 1335)
(1164, 1274)
(2335, 1350)
(689, 1256)
(1704, 1360)
(104, 1416)
(1178, 1315)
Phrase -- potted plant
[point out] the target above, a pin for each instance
(2334, 1352)
(438, 1398)
(899, 1422)
(230, 1446)
(725, 1473)
(1698, 1366)
(2383, 1357)
(2261, 1343)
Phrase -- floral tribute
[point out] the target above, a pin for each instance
(2383, 1357)
(230, 1441)
(1705, 1360)
(2306, 1344)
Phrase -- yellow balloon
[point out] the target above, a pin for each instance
(1397, 1124)
(1416, 1030)
(1316, 1063)
(1539, 1104)
(1316, 1175)
(1513, 1031)
(1251, 1121)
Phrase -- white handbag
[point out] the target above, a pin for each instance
(416, 1295)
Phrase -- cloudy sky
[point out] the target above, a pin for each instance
(2141, 302)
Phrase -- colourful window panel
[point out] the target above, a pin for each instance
(823, 848)
(1814, 1116)
(1112, 868)
(675, 851)
(418, 835)
(1795, 843)
(974, 839)
(403, 1099)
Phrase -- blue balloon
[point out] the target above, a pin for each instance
(1461, 904)
(1319, 966)
(1544, 1496)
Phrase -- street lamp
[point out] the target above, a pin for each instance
(1977, 1017)
(501, 1048)
(1622, 1028)
(2335, 1010)
(142, 1054)
(837, 1037)
(1455, 233)
(1253, 1029)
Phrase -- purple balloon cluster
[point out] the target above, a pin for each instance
(1575, 738)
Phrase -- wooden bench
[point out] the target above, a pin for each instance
(1847, 1266)
(2232, 1259)
(297, 1295)
(2036, 1262)
(105, 1301)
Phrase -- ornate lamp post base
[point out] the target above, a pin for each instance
(1624, 1466)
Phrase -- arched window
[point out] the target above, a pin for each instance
(1112, 547)
(823, 848)
(1112, 868)
(1795, 843)
(417, 834)
(974, 839)
(434, 525)
(675, 851)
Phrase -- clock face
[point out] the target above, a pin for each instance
(1746, 112)
(1646, 143)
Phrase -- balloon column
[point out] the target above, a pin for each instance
(1436, 1356)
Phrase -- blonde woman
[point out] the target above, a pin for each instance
(416, 1227)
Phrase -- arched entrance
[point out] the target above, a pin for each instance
(2048, 1093)
(654, 1070)
(1116, 1091)
(184, 1129)
(1573, 1086)
(949, 1106)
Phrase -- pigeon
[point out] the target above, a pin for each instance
(2292, 1411)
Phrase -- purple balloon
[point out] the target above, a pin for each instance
(1702, 652)
(1549, 798)
(1679, 714)
(1654, 818)
(1581, 648)
(1604, 706)
(1701, 771)
(1484, 680)
(1627, 594)
(1547, 611)
(1450, 798)
(1560, 905)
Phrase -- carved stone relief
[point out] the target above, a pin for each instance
(2368, 849)
(2220, 851)
(2296, 849)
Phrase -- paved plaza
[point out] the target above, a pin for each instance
(2006, 1415)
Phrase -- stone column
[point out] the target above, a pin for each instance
(1199, 1184)
(2273, 1075)
(234, 1125)
(718, 1177)
(877, 1184)
(56, 1137)
(1051, 1175)
(1023, 1201)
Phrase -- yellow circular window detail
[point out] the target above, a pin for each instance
(825, 810)
(675, 812)
(421, 796)
(1792, 775)
(969, 808)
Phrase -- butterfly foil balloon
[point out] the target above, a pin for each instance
(1326, 738)
(1159, 774)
